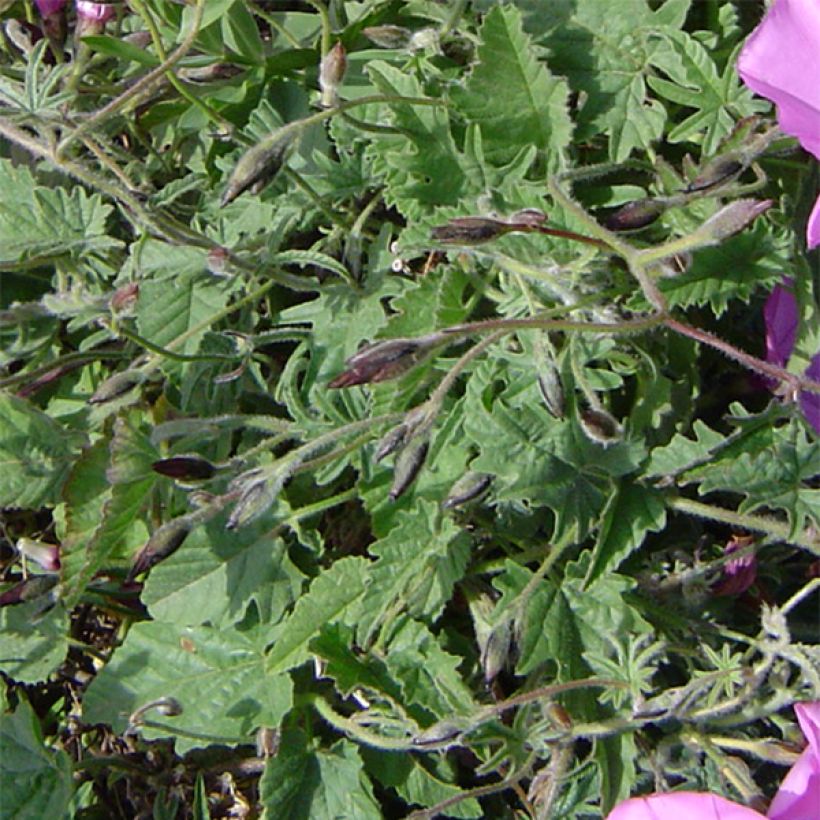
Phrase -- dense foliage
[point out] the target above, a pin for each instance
(384, 426)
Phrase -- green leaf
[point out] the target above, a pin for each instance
(117, 530)
(33, 642)
(121, 49)
(39, 223)
(37, 781)
(421, 166)
(418, 564)
(218, 677)
(606, 56)
(631, 513)
(217, 574)
(532, 109)
(178, 298)
(322, 784)
(328, 600)
(35, 455)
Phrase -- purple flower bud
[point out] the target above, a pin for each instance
(733, 218)
(739, 573)
(46, 555)
(635, 215)
(186, 468)
(381, 361)
(781, 318)
(810, 402)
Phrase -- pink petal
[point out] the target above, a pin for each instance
(95, 12)
(813, 228)
(49, 7)
(682, 806)
(810, 405)
(798, 797)
(781, 61)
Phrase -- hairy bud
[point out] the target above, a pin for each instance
(163, 542)
(331, 73)
(385, 360)
(732, 219)
(116, 386)
(259, 164)
(388, 36)
(600, 426)
(635, 215)
(408, 465)
(186, 468)
(470, 487)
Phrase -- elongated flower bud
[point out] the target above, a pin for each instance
(186, 468)
(117, 385)
(331, 73)
(470, 230)
(385, 360)
(716, 172)
(388, 36)
(635, 215)
(92, 17)
(35, 586)
(256, 499)
(408, 465)
(600, 426)
(732, 219)
(46, 555)
(259, 164)
(163, 542)
(469, 487)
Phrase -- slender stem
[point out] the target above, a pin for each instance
(70, 360)
(757, 523)
(156, 38)
(170, 354)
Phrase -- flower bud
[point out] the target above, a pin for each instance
(381, 361)
(256, 500)
(408, 464)
(388, 36)
(259, 164)
(46, 555)
(186, 468)
(600, 426)
(717, 171)
(528, 218)
(739, 573)
(469, 230)
(116, 386)
(635, 215)
(469, 487)
(52, 13)
(34, 587)
(124, 298)
(331, 73)
(732, 219)
(163, 542)
(92, 17)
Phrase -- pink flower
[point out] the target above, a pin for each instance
(781, 61)
(94, 12)
(797, 799)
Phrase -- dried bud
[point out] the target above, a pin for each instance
(116, 386)
(469, 487)
(331, 73)
(256, 499)
(388, 36)
(124, 298)
(46, 555)
(408, 464)
(470, 230)
(732, 218)
(600, 426)
(186, 468)
(392, 441)
(382, 361)
(635, 215)
(259, 164)
(163, 542)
